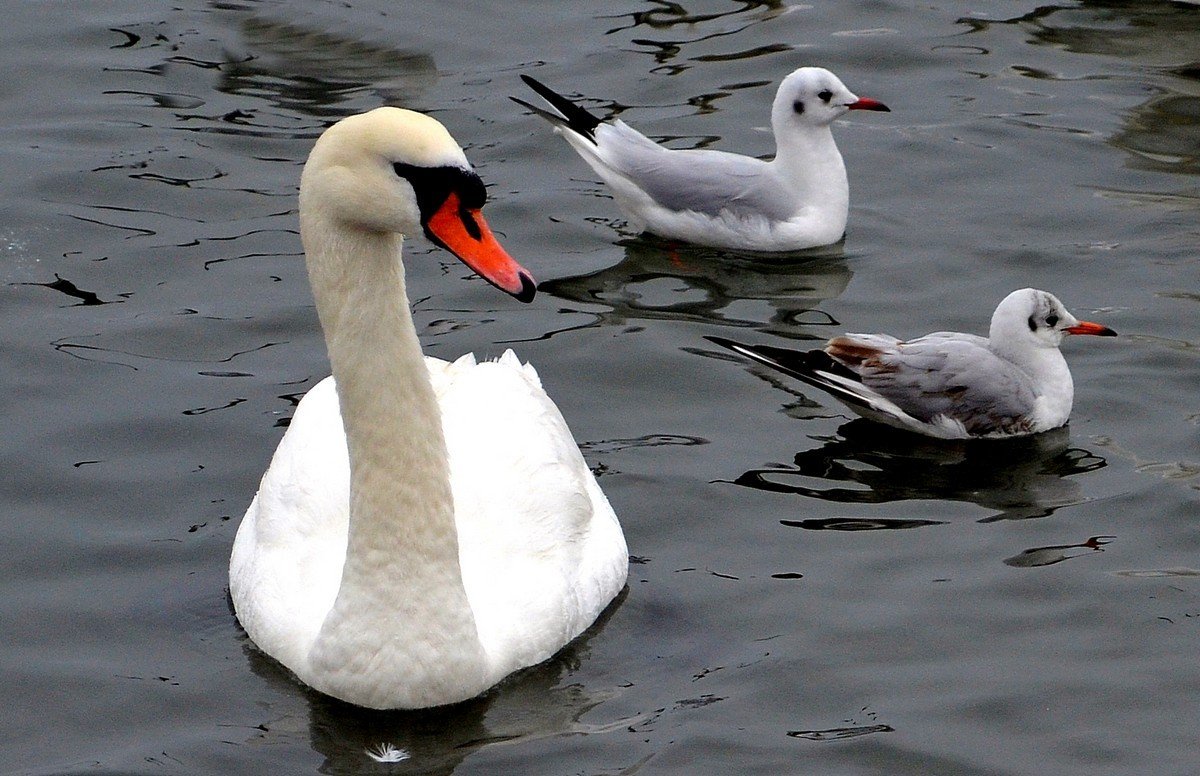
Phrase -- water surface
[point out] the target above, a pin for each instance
(807, 594)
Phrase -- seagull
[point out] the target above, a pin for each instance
(949, 385)
(795, 201)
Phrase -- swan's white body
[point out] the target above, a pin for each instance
(798, 200)
(425, 528)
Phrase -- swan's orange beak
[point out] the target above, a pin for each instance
(465, 233)
(1087, 327)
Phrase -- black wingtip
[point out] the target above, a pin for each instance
(753, 352)
(573, 117)
(815, 367)
(802, 364)
(725, 343)
(553, 118)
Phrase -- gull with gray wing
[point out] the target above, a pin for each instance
(947, 384)
(798, 200)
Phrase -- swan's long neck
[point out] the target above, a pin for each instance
(401, 605)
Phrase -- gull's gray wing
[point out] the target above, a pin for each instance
(699, 180)
(694, 179)
(951, 375)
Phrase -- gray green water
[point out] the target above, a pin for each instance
(807, 595)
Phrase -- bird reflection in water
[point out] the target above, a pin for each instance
(1160, 39)
(538, 702)
(315, 59)
(666, 280)
(866, 463)
(1057, 553)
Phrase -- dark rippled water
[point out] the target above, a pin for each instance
(808, 595)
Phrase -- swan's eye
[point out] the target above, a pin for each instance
(825, 95)
(472, 191)
(1052, 320)
(798, 106)
(432, 185)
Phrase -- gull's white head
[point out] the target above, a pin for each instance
(1032, 318)
(397, 171)
(814, 97)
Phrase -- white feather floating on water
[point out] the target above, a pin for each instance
(386, 753)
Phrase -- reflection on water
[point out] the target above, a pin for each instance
(870, 464)
(312, 62)
(529, 705)
(859, 523)
(840, 733)
(1161, 133)
(1152, 33)
(608, 447)
(67, 288)
(664, 16)
(663, 280)
(1057, 553)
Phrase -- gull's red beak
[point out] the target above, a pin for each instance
(866, 103)
(1087, 327)
(465, 233)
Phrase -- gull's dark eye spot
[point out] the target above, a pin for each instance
(825, 95)
(798, 106)
(1032, 324)
(1052, 320)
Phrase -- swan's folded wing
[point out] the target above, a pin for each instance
(287, 558)
(542, 551)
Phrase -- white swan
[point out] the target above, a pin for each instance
(441, 530)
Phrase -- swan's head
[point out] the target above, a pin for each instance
(394, 170)
(814, 97)
(1029, 318)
